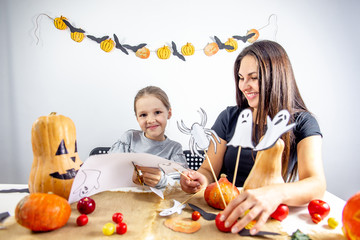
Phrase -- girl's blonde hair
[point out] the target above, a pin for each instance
(157, 92)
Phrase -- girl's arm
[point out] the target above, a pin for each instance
(262, 202)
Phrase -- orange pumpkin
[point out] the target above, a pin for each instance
(77, 36)
(188, 49)
(211, 49)
(231, 42)
(42, 212)
(143, 53)
(253, 38)
(59, 23)
(351, 218)
(212, 194)
(56, 160)
(164, 52)
(107, 45)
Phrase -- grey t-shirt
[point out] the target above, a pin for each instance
(134, 141)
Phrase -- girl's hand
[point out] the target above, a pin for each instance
(193, 182)
(150, 176)
(261, 202)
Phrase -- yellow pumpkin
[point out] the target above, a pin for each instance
(59, 23)
(143, 53)
(211, 49)
(164, 52)
(56, 160)
(253, 38)
(231, 42)
(107, 45)
(77, 36)
(188, 49)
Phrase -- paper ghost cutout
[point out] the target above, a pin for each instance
(177, 208)
(275, 129)
(243, 130)
(200, 136)
(91, 182)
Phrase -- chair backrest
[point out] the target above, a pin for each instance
(193, 161)
(99, 150)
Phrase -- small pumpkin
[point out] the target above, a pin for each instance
(212, 194)
(351, 217)
(268, 166)
(107, 45)
(188, 49)
(143, 53)
(253, 38)
(211, 49)
(41, 212)
(56, 160)
(77, 36)
(164, 52)
(231, 42)
(59, 23)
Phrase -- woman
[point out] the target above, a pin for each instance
(265, 83)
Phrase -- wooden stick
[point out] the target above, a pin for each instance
(217, 183)
(236, 170)
(191, 197)
(189, 178)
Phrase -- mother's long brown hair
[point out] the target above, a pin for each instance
(277, 91)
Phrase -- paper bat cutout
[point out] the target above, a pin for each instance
(244, 38)
(176, 53)
(134, 48)
(119, 46)
(98, 40)
(200, 136)
(222, 45)
(73, 29)
(275, 128)
(176, 208)
(243, 130)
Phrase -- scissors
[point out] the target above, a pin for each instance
(137, 173)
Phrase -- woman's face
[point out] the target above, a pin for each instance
(249, 81)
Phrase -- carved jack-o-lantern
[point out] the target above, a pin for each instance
(231, 42)
(188, 49)
(143, 53)
(77, 36)
(164, 52)
(107, 45)
(56, 160)
(59, 23)
(211, 49)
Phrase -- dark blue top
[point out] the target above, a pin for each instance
(224, 126)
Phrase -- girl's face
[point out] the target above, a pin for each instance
(249, 81)
(152, 117)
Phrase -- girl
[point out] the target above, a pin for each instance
(265, 83)
(152, 109)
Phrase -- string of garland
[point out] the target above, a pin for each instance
(107, 43)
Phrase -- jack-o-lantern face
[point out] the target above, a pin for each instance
(56, 160)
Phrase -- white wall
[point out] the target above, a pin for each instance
(96, 89)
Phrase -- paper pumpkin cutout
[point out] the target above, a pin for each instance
(143, 53)
(77, 34)
(275, 128)
(254, 37)
(233, 43)
(184, 225)
(107, 45)
(163, 52)
(211, 49)
(176, 208)
(59, 23)
(188, 49)
(200, 136)
(243, 130)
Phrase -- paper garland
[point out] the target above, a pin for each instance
(108, 44)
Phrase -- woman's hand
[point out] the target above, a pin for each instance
(261, 203)
(193, 182)
(150, 176)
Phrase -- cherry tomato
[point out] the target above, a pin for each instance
(332, 223)
(195, 215)
(108, 229)
(86, 205)
(319, 207)
(82, 220)
(220, 224)
(281, 212)
(118, 217)
(121, 228)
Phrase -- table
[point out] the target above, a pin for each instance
(298, 217)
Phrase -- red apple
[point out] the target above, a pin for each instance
(86, 205)
(318, 208)
(281, 212)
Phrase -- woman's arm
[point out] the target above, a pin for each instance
(263, 201)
